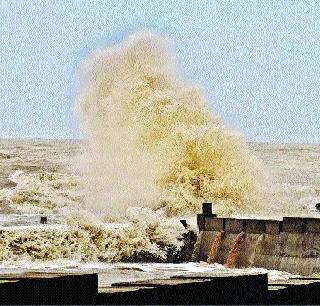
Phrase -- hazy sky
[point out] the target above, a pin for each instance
(258, 61)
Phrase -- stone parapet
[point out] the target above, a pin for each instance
(291, 244)
(258, 226)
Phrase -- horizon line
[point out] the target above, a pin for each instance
(82, 139)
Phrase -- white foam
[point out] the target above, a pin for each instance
(151, 140)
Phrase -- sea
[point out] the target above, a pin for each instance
(38, 178)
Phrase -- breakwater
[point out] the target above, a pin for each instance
(291, 244)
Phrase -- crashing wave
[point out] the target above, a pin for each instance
(151, 140)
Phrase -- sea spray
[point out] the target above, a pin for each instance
(151, 140)
(148, 235)
(144, 240)
(152, 151)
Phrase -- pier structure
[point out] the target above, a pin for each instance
(291, 244)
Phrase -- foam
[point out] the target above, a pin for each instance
(151, 140)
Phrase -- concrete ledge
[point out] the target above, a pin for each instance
(191, 290)
(214, 224)
(273, 227)
(214, 289)
(294, 225)
(45, 288)
(255, 226)
(235, 225)
(295, 292)
(313, 225)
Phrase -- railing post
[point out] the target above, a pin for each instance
(206, 212)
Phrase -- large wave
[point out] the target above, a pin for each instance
(152, 140)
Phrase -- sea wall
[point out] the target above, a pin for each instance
(291, 244)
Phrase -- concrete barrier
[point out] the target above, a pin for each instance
(44, 288)
(291, 244)
(190, 290)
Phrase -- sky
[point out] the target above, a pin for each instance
(257, 61)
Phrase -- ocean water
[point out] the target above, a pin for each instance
(295, 176)
(37, 177)
(37, 172)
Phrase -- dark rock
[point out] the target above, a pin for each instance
(43, 220)
(4, 155)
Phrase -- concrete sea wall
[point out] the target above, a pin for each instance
(291, 244)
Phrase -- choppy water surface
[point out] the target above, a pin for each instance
(36, 176)
(294, 170)
(37, 179)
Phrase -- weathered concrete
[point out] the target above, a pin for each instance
(208, 288)
(43, 288)
(273, 227)
(294, 292)
(291, 244)
(192, 288)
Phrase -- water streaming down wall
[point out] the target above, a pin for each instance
(232, 256)
(290, 244)
(216, 241)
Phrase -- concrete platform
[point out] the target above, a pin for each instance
(48, 288)
(291, 244)
(294, 291)
(191, 288)
(186, 290)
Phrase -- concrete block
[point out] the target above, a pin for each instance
(225, 246)
(294, 225)
(296, 265)
(207, 208)
(245, 289)
(270, 245)
(49, 289)
(267, 261)
(201, 222)
(273, 227)
(256, 226)
(313, 225)
(234, 225)
(214, 224)
(197, 248)
(310, 245)
(316, 268)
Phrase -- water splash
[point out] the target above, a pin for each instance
(214, 247)
(152, 141)
(151, 239)
(232, 256)
(43, 192)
